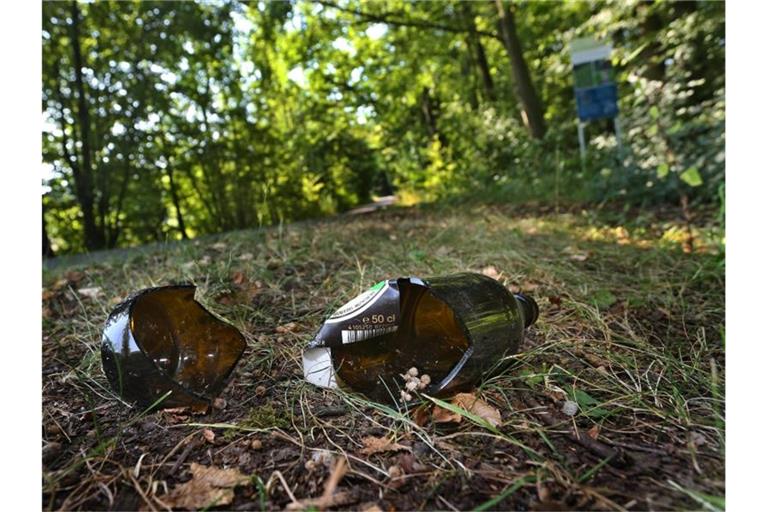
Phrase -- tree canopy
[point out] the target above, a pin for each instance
(165, 120)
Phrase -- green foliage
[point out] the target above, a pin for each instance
(190, 118)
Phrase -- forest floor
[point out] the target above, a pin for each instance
(631, 328)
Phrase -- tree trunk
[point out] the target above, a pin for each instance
(468, 70)
(485, 71)
(94, 236)
(532, 113)
(476, 46)
(47, 249)
(175, 199)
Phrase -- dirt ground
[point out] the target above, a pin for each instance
(631, 329)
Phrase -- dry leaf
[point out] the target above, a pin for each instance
(74, 276)
(440, 415)
(238, 278)
(555, 300)
(478, 407)
(246, 257)
(209, 487)
(575, 254)
(594, 431)
(194, 495)
(219, 246)
(379, 445)
(491, 272)
(209, 435)
(91, 293)
(289, 327)
(420, 415)
(218, 477)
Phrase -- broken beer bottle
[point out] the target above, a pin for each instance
(162, 348)
(453, 329)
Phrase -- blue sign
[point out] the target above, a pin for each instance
(597, 102)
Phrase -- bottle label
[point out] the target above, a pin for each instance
(373, 313)
(359, 304)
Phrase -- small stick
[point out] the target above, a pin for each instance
(184, 454)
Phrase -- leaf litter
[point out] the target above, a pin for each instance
(209, 487)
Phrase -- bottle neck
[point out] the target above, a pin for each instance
(529, 307)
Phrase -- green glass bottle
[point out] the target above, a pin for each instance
(452, 329)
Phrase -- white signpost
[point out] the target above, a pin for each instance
(594, 87)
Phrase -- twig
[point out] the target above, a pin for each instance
(184, 454)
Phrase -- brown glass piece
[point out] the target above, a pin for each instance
(161, 340)
(429, 337)
(455, 329)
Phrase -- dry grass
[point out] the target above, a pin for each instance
(631, 328)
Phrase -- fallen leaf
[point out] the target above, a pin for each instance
(218, 477)
(219, 246)
(594, 431)
(289, 327)
(247, 256)
(209, 435)
(478, 407)
(575, 254)
(209, 487)
(219, 403)
(58, 285)
(74, 276)
(379, 445)
(409, 463)
(440, 415)
(555, 300)
(91, 293)
(491, 272)
(239, 278)
(420, 415)
(396, 474)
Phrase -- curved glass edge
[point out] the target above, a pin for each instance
(133, 374)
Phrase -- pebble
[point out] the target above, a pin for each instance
(570, 408)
